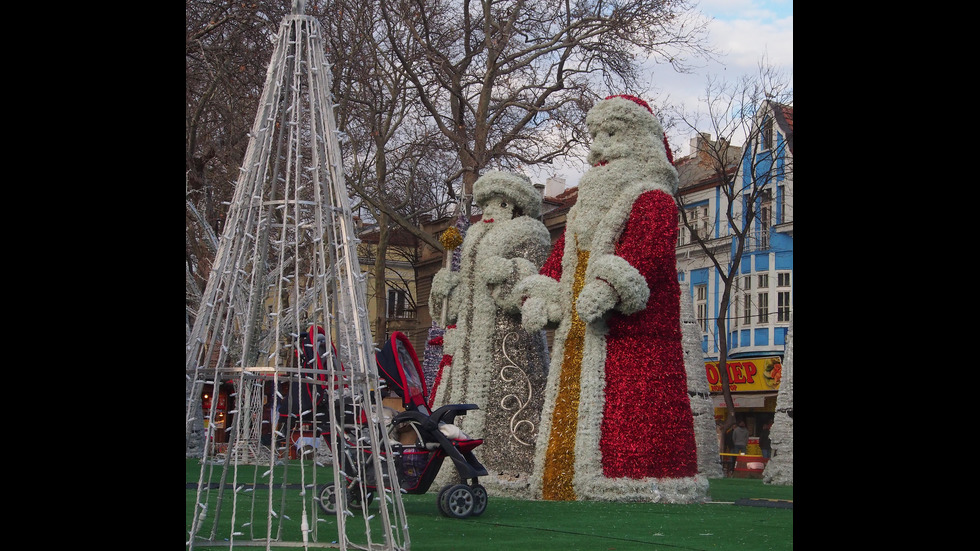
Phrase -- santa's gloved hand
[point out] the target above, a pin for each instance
(596, 298)
(539, 297)
(534, 314)
(443, 283)
(495, 269)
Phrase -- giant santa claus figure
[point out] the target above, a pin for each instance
(496, 364)
(617, 424)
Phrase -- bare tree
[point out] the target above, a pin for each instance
(228, 47)
(386, 162)
(426, 100)
(737, 111)
(508, 82)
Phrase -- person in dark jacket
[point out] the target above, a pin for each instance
(740, 438)
(764, 442)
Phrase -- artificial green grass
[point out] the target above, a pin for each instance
(554, 525)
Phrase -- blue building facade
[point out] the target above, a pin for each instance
(755, 193)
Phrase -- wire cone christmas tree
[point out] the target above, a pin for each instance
(287, 261)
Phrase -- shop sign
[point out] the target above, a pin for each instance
(754, 401)
(747, 374)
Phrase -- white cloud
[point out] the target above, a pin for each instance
(750, 9)
(743, 32)
(745, 41)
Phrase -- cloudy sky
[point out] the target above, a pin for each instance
(743, 31)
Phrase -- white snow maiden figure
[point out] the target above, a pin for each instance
(496, 363)
(618, 423)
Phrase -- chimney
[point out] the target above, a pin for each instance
(554, 186)
(696, 142)
(540, 188)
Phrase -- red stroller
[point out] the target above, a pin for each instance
(418, 444)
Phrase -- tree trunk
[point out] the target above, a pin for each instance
(380, 286)
(720, 321)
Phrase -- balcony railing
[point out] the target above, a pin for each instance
(402, 315)
(758, 240)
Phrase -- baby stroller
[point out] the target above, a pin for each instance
(304, 408)
(420, 439)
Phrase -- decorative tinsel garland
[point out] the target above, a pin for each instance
(432, 355)
(433, 358)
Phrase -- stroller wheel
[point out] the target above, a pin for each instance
(479, 499)
(456, 501)
(354, 495)
(328, 498)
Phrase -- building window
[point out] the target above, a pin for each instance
(701, 305)
(701, 221)
(762, 304)
(763, 307)
(396, 303)
(782, 296)
(735, 311)
(782, 311)
(765, 217)
(747, 300)
(767, 131)
(697, 218)
(781, 200)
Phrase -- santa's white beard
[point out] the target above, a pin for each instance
(597, 191)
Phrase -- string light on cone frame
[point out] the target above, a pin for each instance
(286, 262)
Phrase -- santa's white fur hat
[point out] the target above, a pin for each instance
(516, 187)
(624, 108)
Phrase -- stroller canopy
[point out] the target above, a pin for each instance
(399, 366)
(310, 389)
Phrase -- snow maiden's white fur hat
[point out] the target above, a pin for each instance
(516, 187)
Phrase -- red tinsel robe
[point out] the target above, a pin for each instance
(647, 429)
